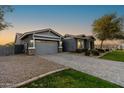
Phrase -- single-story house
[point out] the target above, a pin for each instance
(77, 42)
(45, 41)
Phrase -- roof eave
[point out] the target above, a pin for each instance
(43, 30)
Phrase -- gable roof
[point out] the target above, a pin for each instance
(80, 36)
(42, 30)
(75, 36)
(68, 35)
(90, 37)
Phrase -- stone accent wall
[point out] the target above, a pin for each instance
(31, 51)
(60, 49)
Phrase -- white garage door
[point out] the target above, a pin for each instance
(46, 47)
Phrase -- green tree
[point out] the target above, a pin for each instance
(3, 10)
(107, 26)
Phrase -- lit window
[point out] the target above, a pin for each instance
(79, 44)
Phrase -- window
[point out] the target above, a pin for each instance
(80, 44)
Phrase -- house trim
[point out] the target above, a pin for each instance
(43, 30)
(46, 36)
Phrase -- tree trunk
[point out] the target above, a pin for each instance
(101, 44)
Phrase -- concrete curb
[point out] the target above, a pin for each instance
(104, 54)
(37, 77)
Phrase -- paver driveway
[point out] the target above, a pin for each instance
(107, 70)
(16, 69)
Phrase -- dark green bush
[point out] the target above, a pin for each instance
(95, 52)
(107, 50)
(84, 50)
(101, 50)
(81, 50)
(87, 53)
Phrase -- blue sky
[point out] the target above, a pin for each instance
(63, 19)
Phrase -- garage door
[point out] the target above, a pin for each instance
(46, 47)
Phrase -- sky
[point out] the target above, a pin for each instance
(72, 19)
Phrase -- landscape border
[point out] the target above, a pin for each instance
(37, 77)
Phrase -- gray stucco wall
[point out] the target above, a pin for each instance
(25, 42)
(92, 44)
(69, 45)
(89, 44)
(27, 39)
(85, 44)
(17, 41)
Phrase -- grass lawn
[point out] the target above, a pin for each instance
(117, 55)
(70, 79)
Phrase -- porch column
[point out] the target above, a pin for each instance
(31, 48)
(60, 46)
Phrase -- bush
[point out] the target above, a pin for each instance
(95, 52)
(101, 50)
(81, 50)
(84, 50)
(107, 50)
(87, 53)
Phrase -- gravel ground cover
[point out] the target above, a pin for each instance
(16, 69)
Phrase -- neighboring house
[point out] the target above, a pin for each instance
(121, 46)
(45, 41)
(75, 42)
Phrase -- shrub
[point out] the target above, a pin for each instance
(107, 50)
(79, 50)
(95, 52)
(101, 50)
(87, 53)
(84, 50)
